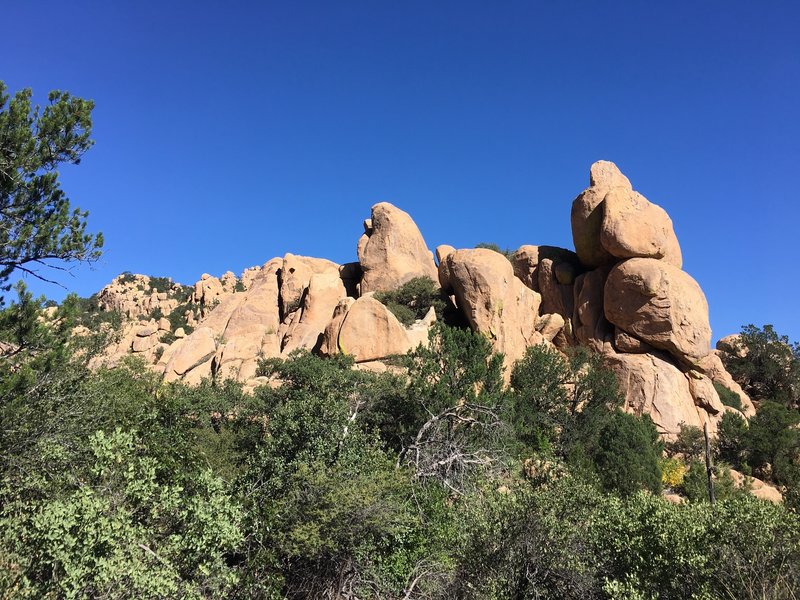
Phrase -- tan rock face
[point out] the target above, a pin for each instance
(527, 259)
(495, 302)
(393, 251)
(712, 366)
(248, 325)
(133, 296)
(208, 290)
(369, 331)
(588, 211)
(323, 295)
(704, 394)
(758, 488)
(330, 339)
(661, 305)
(295, 276)
(194, 350)
(589, 322)
(634, 227)
(656, 387)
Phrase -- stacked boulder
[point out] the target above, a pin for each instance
(637, 307)
(622, 293)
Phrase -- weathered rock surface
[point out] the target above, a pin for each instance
(654, 386)
(392, 251)
(758, 488)
(369, 331)
(712, 366)
(526, 260)
(588, 211)
(660, 305)
(295, 275)
(591, 328)
(324, 292)
(494, 300)
(134, 296)
(634, 227)
(195, 350)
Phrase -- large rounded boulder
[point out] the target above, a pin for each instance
(660, 305)
(494, 301)
(635, 227)
(588, 211)
(392, 250)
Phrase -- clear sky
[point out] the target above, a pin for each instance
(231, 132)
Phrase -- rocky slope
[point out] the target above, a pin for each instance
(622, 293)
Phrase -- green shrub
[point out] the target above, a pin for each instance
(695, 482)
(412, 300)
(728, 397)
(689, 443)
(731, 440)
(769, 369)
(489, 246)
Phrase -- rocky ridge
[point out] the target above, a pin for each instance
(622, 293)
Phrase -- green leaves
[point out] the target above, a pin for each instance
(38, 226)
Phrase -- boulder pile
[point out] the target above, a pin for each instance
(622, 293)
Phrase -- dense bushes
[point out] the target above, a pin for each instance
(347, 484)
(412, 300)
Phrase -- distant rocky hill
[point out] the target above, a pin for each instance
(622, 293)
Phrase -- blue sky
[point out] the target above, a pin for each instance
(229, 133)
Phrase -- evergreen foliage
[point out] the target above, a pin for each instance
(412, 300)
(38, 226)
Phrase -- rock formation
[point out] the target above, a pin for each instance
(622, 293)
(392, 250)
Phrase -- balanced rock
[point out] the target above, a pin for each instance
(588, 211)
(392, 251)
(635, 227)
(494, 301)
(661, 305)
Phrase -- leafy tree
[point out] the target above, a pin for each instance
(689, 443)
(456, 399)
(623, 450)
(528, 543)
(540, 405)
(731, 440)
(328, 509)
(773, 443)
(768, 367)
(38, 227)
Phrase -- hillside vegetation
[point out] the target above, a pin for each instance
(341, 483)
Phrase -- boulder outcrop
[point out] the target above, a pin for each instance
(369, 332)
(633, 227)
(392, 250)
(588, 211)
(494, 301)
(622, 293)
(660, 305)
